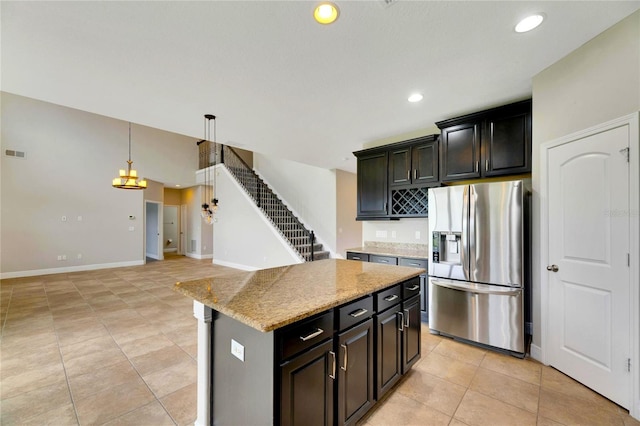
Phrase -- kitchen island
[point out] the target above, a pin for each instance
(312, 343)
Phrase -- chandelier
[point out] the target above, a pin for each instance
(128, 179)
(208, 154)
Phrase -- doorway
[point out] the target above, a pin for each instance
(589, 245)
(153, 231)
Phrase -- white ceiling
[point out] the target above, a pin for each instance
(278, 82)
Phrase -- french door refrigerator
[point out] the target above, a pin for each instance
(478, 268)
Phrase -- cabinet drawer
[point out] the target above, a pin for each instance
(410, 288)
(355, 312)
(387, 260)
(364, 257)
(415, 263)
(389, 297)
(306, 334)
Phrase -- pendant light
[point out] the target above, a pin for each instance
(128, 179)
(209, 149)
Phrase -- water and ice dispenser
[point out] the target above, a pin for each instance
(446, 247)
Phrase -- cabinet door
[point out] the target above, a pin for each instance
(355, 373)
(460, 152)
(410, 333)
(388, 350)
(424, 162)
(307, 389)
(372, 185)
(400, 171)
(506, 145)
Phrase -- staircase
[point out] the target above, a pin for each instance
(298, 236)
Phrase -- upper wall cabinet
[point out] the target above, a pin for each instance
(372, 185)
(393, 179)
(495, 142)
(415, 163)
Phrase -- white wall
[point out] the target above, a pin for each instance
(310, 192)
(402, 231)
(243, 237)
(348, 229)
(71, 158)
(597, 82)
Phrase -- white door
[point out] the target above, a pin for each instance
(183, 229)
(589, 294)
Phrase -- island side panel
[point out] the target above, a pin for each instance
(243, 392)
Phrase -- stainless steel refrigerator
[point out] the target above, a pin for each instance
(478, 268)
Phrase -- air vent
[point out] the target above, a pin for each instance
(13, 153)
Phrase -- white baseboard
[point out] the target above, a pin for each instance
(199, 256)
(79, 268)
(234, 265)
(536, 352)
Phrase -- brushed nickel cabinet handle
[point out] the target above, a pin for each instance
(413, 288)
(358, 313)
(401, 314)
(407, 318)
(346, 354)
(391, 298)
(486, 165)
(311, 335)
(355, 258)
(333, 368)
(415, 174)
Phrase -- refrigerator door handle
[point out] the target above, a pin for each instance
(470, 289)
(464, 237)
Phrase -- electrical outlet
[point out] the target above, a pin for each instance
(131, 228)
(64, 257)
(393, 234)
(381, 234)
(417, 235)
(237, 350)
(59, 257)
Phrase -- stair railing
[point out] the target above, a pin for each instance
(286, 222)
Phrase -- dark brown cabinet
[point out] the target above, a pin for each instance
(410, 333)
(372, 185)
(355, 372)
(495, 142)
(393, 179)
(307, 393)
(388, 349)
(414, 163)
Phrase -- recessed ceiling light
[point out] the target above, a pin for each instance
(416, 97)
(529, 23)
(177, 186)
(326, 13)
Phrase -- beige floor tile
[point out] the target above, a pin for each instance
(399, 409)
(27, 343)
(181, 405)
(184, 335)
(134, 332)
(568, 410)
(160, 359)
(543, 421)
(523, 369)
(460, 351)
(94, 358)
(452, 370)
(477, 409)
(12, 364)
(113, 402)
(456, 422)
(170, 379)
(556, 381)
(98, 344)
(629, 421)
(81, 332)
(137, 347)
(192, 350)
(102, 378)
(60, 416)
(19, 409)
(152, 414)
(432, 391)
(32, 378)
(507, 389)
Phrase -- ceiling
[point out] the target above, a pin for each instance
(279, 83)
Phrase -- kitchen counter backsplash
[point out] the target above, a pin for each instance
(419, 251)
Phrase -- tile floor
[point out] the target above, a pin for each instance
(118, 347)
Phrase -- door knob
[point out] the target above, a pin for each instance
(552, 268)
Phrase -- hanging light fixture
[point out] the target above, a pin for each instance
(208, 157)
(128, 179)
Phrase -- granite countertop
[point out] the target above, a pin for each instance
(414, 251)
(268, 299)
